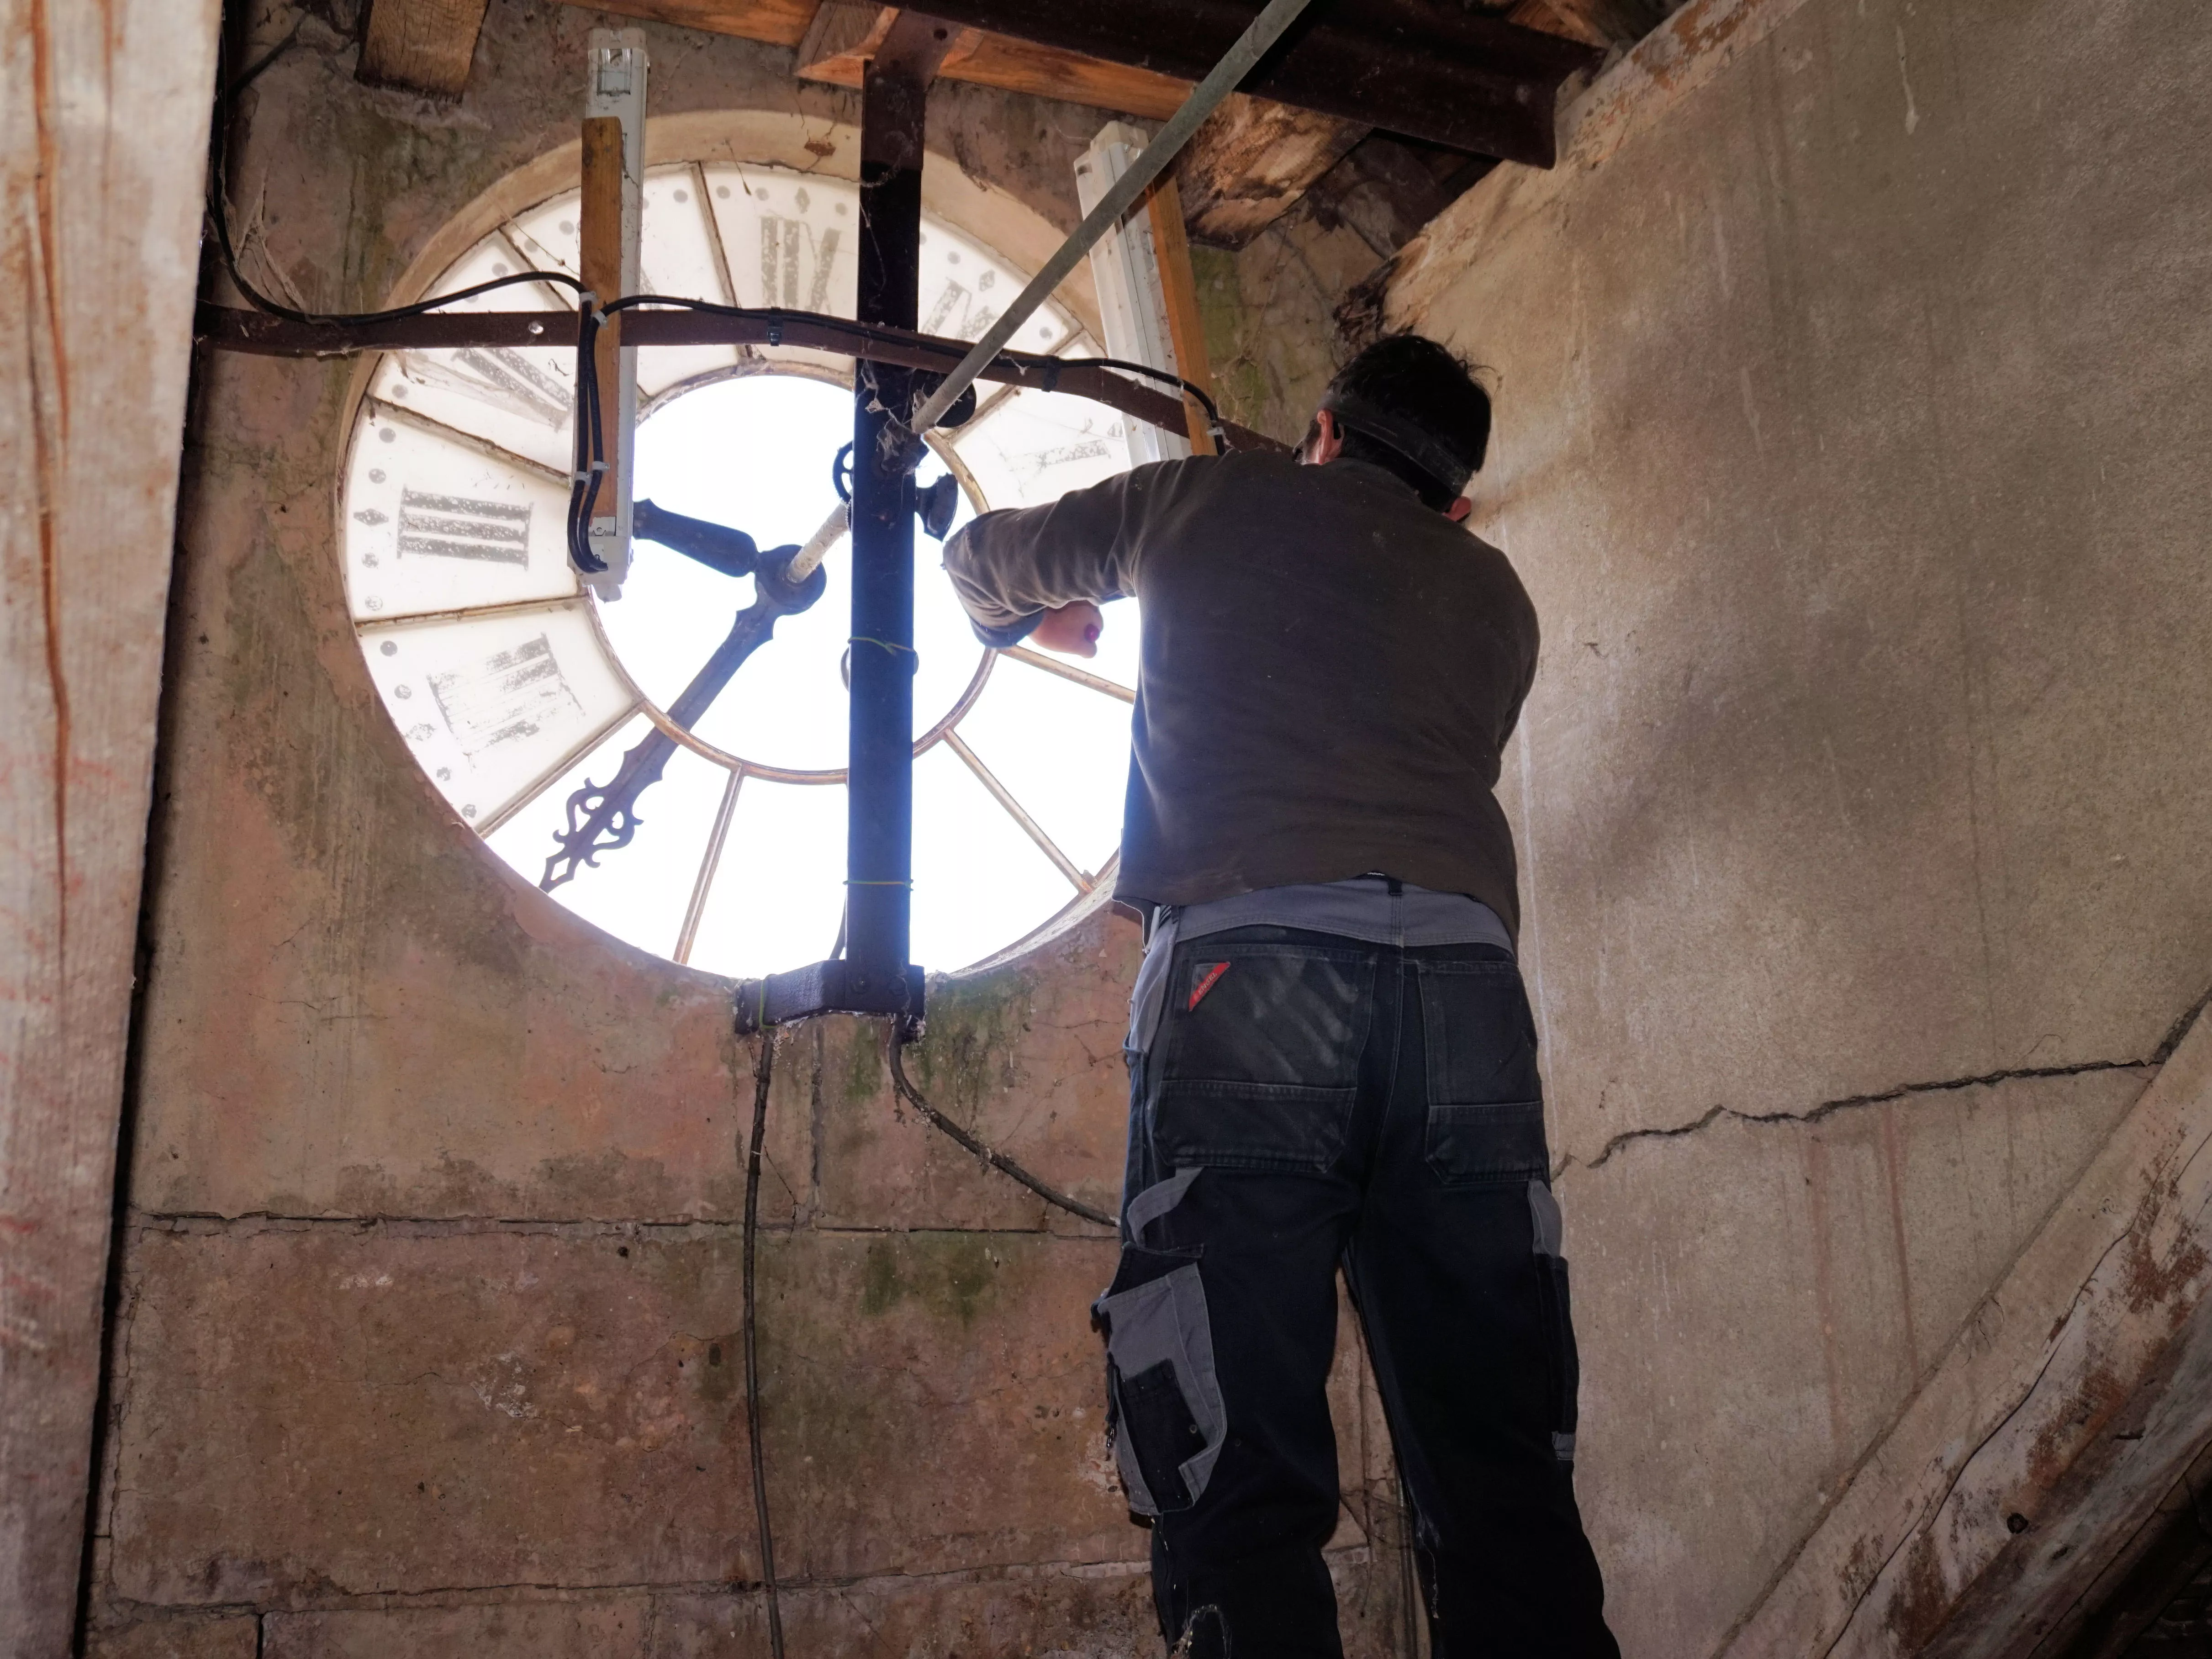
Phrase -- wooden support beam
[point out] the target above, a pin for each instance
(1251, 160)
(846, 34)
(843, 36)
(778, 22)
(599, 226)
(103, 142)
(1422, 68)
(425, 46)
(1186, 327)
(1243, 167)
(1429, 70)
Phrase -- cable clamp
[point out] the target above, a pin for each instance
(775, 332)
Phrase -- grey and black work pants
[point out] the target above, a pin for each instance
(1309, 1100)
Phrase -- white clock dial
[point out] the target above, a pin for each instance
(514, 688)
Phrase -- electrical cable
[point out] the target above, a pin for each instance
(591, 466)
(763, 1066)
(874, 334)
(997, 1160)
(218, 213)
(591, 460)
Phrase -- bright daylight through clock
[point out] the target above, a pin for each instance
(519, 692)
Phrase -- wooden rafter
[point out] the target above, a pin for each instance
(845, 34)
(1427, 70)
(425, 46)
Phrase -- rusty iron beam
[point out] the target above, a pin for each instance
(229, 329)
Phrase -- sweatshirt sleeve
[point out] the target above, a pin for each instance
(1010, 568)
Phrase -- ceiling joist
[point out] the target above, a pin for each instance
(425, 46)
(1444, 71)
(844, 35)
(1430, 70)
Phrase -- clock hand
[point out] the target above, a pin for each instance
(715, 546)
(602, 818)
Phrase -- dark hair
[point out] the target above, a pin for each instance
(1415, 381)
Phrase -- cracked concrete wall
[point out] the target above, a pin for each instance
(1850, 378)
(429, 1340)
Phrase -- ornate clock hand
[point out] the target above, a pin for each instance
(601, 818)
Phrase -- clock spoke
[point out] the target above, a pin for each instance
(1069, 672)
(1081, 879)
(400, 414)
(553, 774)
(707, 865)
(370, 627)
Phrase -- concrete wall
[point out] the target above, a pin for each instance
(101, 129)
(1852, 437)
(428, 1341)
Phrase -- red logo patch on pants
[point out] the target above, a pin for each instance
(1206, 975)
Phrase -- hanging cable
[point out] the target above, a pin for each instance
(591, 466)
(998, 1161)
(763, 1066)
(218, 213)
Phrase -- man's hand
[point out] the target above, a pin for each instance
(1072, 630)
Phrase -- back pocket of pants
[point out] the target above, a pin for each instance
(1260, 1064)
(1485, 1106)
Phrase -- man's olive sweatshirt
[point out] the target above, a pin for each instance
(1329, 670)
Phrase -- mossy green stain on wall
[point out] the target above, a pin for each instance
(975, 1026)
(945, 1275)
(1240, 384)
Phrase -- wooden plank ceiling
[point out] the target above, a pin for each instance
(1443, 86)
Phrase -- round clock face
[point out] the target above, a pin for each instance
(520, 692)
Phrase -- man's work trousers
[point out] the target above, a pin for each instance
(1309, 1100)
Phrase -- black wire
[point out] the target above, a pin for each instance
(218, 213)
(763, 1064)
(590, 446)
(998, 1161)
(1198, 393)
(591, 459)
(877, 334)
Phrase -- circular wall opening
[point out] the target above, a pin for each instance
(520, 692)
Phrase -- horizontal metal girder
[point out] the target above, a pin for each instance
(234, 330)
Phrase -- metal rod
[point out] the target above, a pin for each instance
(1235, 65)
(707, 865)
(820, 544)
(880, 799)
(1069, 672)
(1004, 796)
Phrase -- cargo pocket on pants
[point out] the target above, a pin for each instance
(1485, 1105)
(1563, 1364)
(1163, 1402)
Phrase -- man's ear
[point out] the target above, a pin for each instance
(1327, 442)
(1458, 510)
